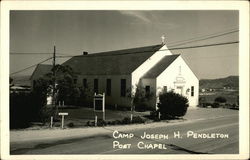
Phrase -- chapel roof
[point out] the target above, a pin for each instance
(158, 68)
(120, 62)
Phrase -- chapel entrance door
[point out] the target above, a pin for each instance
(179, 90)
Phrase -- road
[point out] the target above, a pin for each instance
(223, 132)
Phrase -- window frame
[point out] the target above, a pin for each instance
(84, 83)
(108, 87)
(147, 89)
(192, 91)
(96, 86)
(123, 88)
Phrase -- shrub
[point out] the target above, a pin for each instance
(141, 99)
(71, 124)
(207, 104)
(172, 105)
(138, 119)
(154, 114)
(45, 114)
(101, 122)
(117, 122)
(126, 120)
(215, 105)
(157, 119)
(20, 110)
(30, 107)
(89, 123)
(220, 100)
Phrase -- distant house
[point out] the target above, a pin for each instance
(117, 73)
(18, 89)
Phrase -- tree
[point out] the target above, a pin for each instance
(66, 89)
(39, 100)
(141, 99)
(86, 96)
(172, 105)
(28, 107)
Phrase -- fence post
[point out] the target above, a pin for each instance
(51, 121)
(95, 120)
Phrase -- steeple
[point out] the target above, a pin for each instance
(163, 39)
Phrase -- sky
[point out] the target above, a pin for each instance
(72, 32)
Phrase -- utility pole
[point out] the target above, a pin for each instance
(54, 79)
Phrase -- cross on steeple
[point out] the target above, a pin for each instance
(163, 39)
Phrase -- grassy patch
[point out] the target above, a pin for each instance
(78, 117)
(231, 96)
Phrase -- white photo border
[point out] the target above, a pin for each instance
(241, 6)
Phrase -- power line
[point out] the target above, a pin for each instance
(31, 66)
(210, 37)
(195, 39)
(177, 48)
(95, 55)
(208, 45)
(37, 53)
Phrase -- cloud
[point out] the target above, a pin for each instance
(143, 16)
(150, 17)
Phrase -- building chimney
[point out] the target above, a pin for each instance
(85, 53)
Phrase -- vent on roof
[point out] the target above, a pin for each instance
(85, 53)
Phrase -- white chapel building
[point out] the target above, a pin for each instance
(116, 73)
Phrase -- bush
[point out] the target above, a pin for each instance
(126, 120)
(207, 104)
(71, 125)
(138, 119)
(215, 105)
(29, 107)
(46, 113)
(117, 122)
(100, 122)
(172, 105)
(220, 100)
(20, 110)
(141, 100)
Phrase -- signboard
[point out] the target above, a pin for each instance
(63, 114)
(99, 102)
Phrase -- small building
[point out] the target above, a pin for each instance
(18, 89)
(118, 73)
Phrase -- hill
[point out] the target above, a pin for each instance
(21, 80)
(231, 81)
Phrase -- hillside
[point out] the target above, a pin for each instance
(231, 81)
(21, 80)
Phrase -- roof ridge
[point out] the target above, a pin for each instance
(120, 50)
(159, 67)
(45, 64)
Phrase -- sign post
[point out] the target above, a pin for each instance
(51, 122)
(63, 114)
(99, 104)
